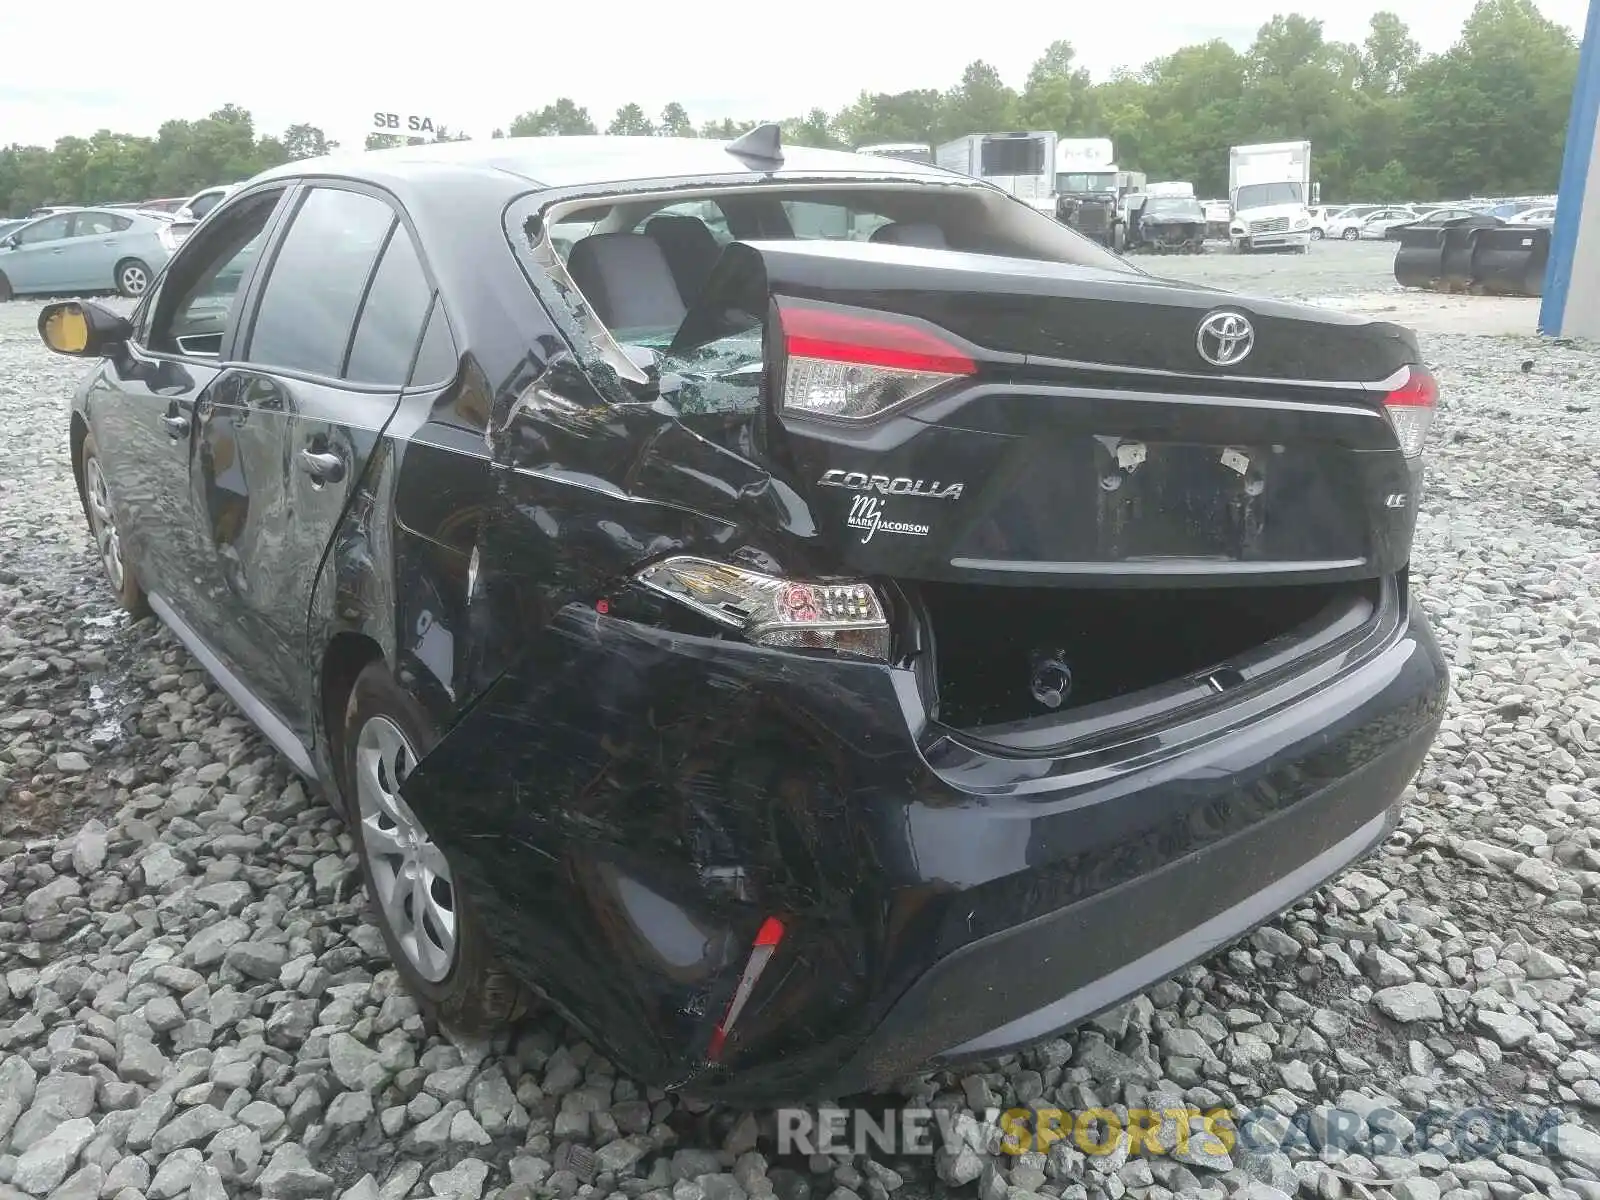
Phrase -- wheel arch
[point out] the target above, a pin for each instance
(77, 436)
(347, 654)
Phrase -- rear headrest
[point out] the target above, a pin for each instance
(626, 280)
(911, 233)
(690, 248)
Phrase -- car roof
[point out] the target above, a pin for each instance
(559, 162)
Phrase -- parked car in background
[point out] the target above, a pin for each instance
(759, 649)
(1350, 212)
(198, 205)
(1320, 216)
(1545, 214)
(1366, 222)
(84, 250)
(1442, 216)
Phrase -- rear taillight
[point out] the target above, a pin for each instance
(1411, 407)
(854, 365)
(794, 614)
(761, 952)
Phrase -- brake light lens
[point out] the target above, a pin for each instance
(794, 614)
(1411, 408)
(853, 365)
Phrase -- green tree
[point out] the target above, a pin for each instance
(891, 117)
(630, 121)
(1389, 55)
(306, 141)
(1058, 93)
(1385, 121)
(813, 129)
(675, 122)
(726, 129)
(980, 103)
(1489, 115)
(564, 118)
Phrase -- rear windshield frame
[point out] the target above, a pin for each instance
(529, 219)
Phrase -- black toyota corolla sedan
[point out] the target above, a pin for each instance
(807, 617)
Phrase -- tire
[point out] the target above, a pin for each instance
(5, 289)
(1317, 235)
(1352, 235)
(103, 528)
(133, 278)
(457, 981)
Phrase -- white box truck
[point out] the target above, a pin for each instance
(1270, 189)
(1020, 163)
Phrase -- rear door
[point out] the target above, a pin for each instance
(316, 376)
(92, 247)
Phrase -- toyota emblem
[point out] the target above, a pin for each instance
(1225, 339)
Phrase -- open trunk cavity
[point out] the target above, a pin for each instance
(1004, 655)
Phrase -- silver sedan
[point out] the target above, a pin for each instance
(84, 250)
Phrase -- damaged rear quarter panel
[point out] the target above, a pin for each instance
(595, 773)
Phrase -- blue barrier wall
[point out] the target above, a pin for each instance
(1571, 306)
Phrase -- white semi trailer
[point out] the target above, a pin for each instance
(1020, 163)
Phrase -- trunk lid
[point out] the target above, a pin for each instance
(1091, 443)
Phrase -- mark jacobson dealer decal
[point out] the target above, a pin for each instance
(859, 481)
(866, 514)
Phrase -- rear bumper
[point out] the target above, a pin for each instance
(1038, 979)
(630, 804)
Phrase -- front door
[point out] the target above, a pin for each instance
(36, 264)
(142, 404)
(279, 452)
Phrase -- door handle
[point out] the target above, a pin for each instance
(176, 426)
(324, 468)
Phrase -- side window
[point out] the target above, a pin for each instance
(92, 224)
(317, 281)
(437, 356)
(49, 230)
(391, 316)
(199, 289)
(831, 222)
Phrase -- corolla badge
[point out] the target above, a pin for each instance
(1225, 338)
(859, 481)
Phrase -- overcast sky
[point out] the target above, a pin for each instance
(474, 64)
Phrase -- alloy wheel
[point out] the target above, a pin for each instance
(103, 524)
(416, 891)
(134, 280)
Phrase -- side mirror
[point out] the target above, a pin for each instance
(10, 241)
(1316, 193)
(82, 329)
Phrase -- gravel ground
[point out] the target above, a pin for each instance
(193, 1004)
